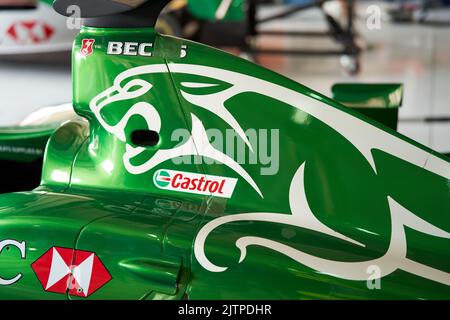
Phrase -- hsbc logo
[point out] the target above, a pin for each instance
(78, 272)
(35, 32)
(130, 48)
(195, 183)
(21, 246)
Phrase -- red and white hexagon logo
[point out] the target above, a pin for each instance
(30, 32)
(62, 270)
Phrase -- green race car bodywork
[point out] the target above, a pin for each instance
(21, 155)
(207, 9)
(200, 175)
(22, 147)
(378, 101)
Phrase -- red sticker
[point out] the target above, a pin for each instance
(81, 273)
(30, 32)
(87, 46)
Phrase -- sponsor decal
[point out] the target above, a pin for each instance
(197, 145)
(78, 272)
(21, 150)
(195, 183)
(183, 51)
(87, 47)
(6, 244)
(129, 48)
(35, 32)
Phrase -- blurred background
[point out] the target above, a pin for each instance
(317, 43)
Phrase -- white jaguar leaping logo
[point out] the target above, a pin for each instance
(198, 144)
(364, 136)
(302, 216)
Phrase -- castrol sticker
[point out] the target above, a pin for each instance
(194, 183)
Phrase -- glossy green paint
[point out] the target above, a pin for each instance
(372, 95)
(24, 144)
(148, 238)
(206, 9)
(60, 154)
(379, 101)
(50, 2)
(21, 155)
